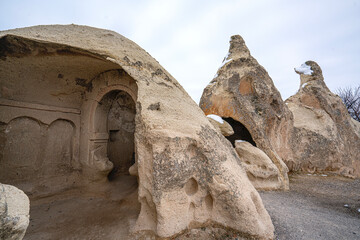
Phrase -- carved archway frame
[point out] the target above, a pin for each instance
(93, 144)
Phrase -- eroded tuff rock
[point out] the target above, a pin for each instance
(79, 105)
(14, 213)
(243, 94)
(325, 137)
(222, 126)
(261, 171)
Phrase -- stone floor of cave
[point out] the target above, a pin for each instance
(101, 212)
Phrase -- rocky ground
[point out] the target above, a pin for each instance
(316, 207)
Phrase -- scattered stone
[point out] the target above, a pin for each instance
(14, 213)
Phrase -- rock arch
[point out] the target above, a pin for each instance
(240, 132)
(101, 134)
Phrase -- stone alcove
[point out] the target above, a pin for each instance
(115, 119)
(67, 117)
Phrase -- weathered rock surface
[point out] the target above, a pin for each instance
(223, 127)
(244, 95)
(261, 171)
(78, 103)
(14, 213)
(325, 137)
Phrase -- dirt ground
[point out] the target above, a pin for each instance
(86, 214)
(316, 207)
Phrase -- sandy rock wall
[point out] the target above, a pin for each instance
(37, 156)
(199, 188)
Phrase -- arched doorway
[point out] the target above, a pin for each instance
(115, 116)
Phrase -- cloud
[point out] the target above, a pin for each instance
(190, 38)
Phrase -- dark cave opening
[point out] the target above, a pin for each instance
(240, 132)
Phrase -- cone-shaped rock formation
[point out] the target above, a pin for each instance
(325, 137)
(244, 95)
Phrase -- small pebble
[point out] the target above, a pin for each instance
(346, 205)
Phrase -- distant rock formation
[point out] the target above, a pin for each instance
(14, 213)
(325, 137)
(80, 105)
(243, 94)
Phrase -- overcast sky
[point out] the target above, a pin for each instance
(191, 38)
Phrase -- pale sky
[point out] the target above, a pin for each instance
(191, 38)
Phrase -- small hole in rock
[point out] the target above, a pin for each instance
(191, 187)
(209, 202)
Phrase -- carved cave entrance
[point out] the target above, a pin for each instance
(240, 132)
(116, 116)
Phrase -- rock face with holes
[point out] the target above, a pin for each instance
(14, 213)
(243, 94)
(79, 105)
(261, 171)
(325, 137)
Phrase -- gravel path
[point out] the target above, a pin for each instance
(316, 207)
